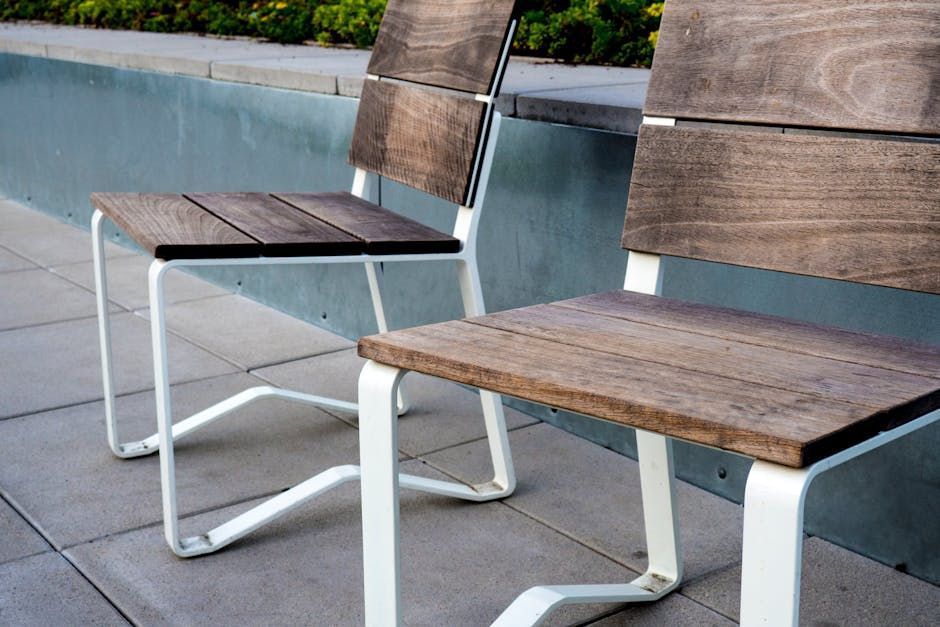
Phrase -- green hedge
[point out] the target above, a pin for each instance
(618, 32)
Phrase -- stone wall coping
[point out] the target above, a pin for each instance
(608, 98)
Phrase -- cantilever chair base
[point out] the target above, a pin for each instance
(168, 433)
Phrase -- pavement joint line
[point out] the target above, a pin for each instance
(51, 322)
(143, 313)
(542, 90)
(121, 395)
(34, 524)
(97, 589)
(293, 359)
(474, 440)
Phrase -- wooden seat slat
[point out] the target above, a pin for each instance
(881, 351)
(772, 367)
(169, 226)
(282, 229)
(689, 402)
(383, 232)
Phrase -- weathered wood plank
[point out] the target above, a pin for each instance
(169, 226)
(843, 64)
(775, 368)
(776, 425)
(383, 232)
(448, 43)
(759, 329)
(424, 139)
(866, 211)
(283, 230)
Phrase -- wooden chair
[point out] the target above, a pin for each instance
(768, 181)
(426, 118)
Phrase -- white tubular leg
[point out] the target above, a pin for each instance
(660, 518)
(773, 544)
(657, 480)
(504, 475)
(164, 414)
(104, 331)
(378, 449)
(375, 290)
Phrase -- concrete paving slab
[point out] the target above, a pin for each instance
(57, 465)
(462, 564)
(17, 538)
(675, 609)
(34, 297)
(317, 72)
(839, 587)
(55, 244)
(57, 364)
(11, 262)
(614, 108)
(46, 590)
(593, 495)
(127, 282)
(442, 414)
(14, 217)
(249, 333)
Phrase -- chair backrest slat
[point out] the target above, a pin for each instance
(859, 210)
(423, 128)
(454, 44)
(420, 138)
(864, 209)
(844, 64)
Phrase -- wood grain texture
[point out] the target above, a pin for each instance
(283, 230)
(382, 232)
(447, 43)
(795, 336)
(424, 139)
(169, 226)
(859, 210)
(773, 424)
(777, 368)
(843, 64)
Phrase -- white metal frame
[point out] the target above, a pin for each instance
(773, 510)
(465, 229)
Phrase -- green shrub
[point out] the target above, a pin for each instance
(352, 21)
(617, 32)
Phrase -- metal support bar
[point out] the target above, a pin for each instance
(773, 530)
(657, 481)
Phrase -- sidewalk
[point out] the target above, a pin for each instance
(81, 540)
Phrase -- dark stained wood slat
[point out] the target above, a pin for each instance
(776, 368)
(866, 211)
(763, 330)
(448, 43)
(169, 226)
(843, 64)
(383, 232)
(424, 139)
(283, 230)
(776, 425)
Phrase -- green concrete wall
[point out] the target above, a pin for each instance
(550, 230)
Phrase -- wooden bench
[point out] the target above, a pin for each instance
(427, 119)
(742, 159)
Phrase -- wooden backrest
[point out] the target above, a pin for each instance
(432, 138)
(447, 43)
(801, 198)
